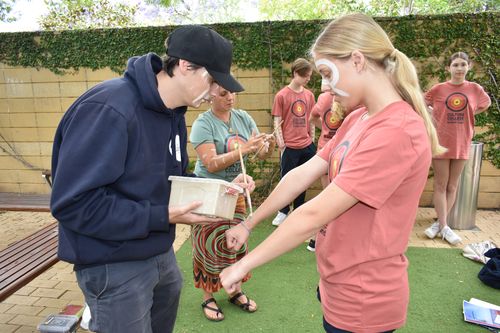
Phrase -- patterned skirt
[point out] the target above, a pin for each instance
(210, 252)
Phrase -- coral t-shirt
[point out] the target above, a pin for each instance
(329, 126)
(294, 109)
(383, 161)
(454, 107)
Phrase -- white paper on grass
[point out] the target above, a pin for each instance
(481, 313)
(484, 304)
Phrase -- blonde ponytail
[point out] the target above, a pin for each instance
(360, 32)
(338, 112)
(405, 80)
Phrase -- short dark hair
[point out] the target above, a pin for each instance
(169, 63)
(301, 66)
(461, 55)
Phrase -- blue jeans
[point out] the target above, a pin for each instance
(133, 296)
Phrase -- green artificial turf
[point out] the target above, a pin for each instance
(440, 279)
(285, 291)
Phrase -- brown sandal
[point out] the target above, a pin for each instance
(244, 306)
(204, 306)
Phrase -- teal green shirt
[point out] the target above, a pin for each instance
(207, 128)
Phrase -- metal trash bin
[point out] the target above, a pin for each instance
(463, 213)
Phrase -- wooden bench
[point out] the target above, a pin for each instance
(27, 258)
(25, 202)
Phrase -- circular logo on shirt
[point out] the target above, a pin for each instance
(330, 121)
(456, 102)
(336, 159)
(232, 142)
(299, 108)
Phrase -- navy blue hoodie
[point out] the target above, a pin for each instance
(113, 152)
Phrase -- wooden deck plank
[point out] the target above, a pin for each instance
(38, 263)
(24, 260)
(44, 263)
(15, 259)
(37, 234)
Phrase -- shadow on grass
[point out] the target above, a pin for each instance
(285, 291)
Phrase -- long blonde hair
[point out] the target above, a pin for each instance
(360, 32)
(338, 113)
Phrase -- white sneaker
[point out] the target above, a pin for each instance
(311, 246)
(85, 318)
(450, 236)
(280, 217)
(432, 231)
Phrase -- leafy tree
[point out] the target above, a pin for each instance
(428, 7)
(202, 11)
(308, 9)
(5, 9)
(325, 9)
(210, 11)
(164, 3)
(87, 14)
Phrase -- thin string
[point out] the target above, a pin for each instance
(243, 170)
(260, 148)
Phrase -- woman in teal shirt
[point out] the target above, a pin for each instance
(215, 136)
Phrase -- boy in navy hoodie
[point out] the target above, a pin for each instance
(113, 152)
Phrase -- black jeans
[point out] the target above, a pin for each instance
(290, 159)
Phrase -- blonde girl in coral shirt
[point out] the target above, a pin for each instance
(327, 115)
(454, 104)
(377, 164)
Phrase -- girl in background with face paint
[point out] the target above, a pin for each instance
(377, 165)
(454, 104)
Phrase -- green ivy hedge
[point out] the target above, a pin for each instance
(428, 40)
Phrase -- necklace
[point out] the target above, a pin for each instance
(229, 127)
(226, 123)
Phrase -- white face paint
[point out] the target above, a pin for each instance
(325, 85)
(335, 76)
(205, 95)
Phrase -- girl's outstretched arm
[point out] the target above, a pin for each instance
(300, 225)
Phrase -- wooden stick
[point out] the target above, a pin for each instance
(243, 170)
(260, 148)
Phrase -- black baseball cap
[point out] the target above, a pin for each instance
(205, 47)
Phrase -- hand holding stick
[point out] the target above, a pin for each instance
(260, 148)
(243, 170)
